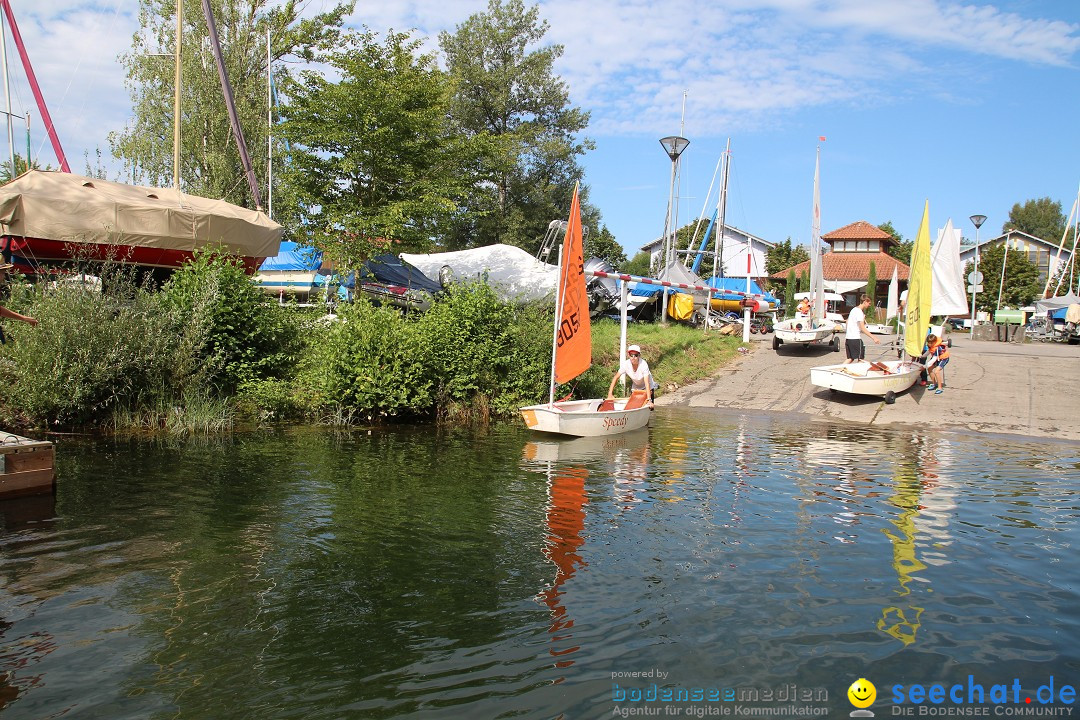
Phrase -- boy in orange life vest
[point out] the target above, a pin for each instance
(938, 358)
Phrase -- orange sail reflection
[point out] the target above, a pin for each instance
(566, 523)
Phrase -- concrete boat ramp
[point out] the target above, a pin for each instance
(991, 387)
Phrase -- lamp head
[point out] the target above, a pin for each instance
(674, 145)
(978, 220)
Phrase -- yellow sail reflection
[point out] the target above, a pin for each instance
(899, 622)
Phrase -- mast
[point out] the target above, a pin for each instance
(7, 95)
(230, 105)
(176, 97)
(269, 129)
(32, 79)
(721, 206)
(817, 280)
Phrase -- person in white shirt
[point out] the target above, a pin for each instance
(637, 369)
(856, 328)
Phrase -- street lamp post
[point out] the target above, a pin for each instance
(673, 146)
(977, 221)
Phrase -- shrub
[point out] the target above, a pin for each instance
(91, 353)
(230, 331)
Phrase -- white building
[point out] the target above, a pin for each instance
(1042, 253)
(733, 254)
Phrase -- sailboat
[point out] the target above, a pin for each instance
(887, 378)
(814, 329)
(572, 355)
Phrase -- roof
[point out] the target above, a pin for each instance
(72, 208)
(858, 230)
(727, 238)
(851, 266)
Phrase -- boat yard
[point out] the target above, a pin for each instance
(991, 387)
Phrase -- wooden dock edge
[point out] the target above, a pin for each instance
(27, 466)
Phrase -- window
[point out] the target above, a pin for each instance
(862, 245)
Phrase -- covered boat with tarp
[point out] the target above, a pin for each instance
(390, 280)
(49, 218)
(293, 273)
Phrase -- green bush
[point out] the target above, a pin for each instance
(90, 354)
(231, 332)
(370, 364)
(485, 355)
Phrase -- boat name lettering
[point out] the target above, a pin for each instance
(614, 422)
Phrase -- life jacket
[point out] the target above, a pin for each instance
(940, 351)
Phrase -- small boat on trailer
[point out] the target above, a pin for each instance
(572, 355)
(885, 378)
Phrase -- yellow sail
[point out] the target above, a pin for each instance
(919, 283)
(573, 339)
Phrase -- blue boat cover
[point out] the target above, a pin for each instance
(292, 257)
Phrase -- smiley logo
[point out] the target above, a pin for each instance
(862, 693)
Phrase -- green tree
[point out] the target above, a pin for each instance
(20, 168)
(900, 248)
(871, 287)
(603, 245)
(638, 265)
(1040, 218)
(375, 162)
(507, 93)
(804, 282)
(1021, 284)
(789, 295)
(782, 256)
(210, 162)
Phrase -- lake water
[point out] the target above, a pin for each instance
(712, 564)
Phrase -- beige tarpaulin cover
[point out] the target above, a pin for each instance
(73, 208)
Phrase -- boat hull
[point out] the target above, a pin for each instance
(31, 255)
(861, 378)
(801, 331)
(583, 418)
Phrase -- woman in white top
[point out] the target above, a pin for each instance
(637, 369)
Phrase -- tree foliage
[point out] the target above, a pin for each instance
(1021, 284)
(505, 91)
(603, 245)
(871, 286)
(899, 248)
(638, 265)
(210, 161)
(1040, 218)
(374, 159)
(782, 256)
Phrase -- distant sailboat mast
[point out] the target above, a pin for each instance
(817, 281)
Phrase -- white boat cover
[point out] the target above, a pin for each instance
(1056, 303)
(948, 295)
(72, 208)
(514, 274)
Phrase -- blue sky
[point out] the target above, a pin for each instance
(972, 106)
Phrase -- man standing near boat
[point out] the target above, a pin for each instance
(855, 329)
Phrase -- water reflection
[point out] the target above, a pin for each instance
(446, 574)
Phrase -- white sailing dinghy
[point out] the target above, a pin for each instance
(889, 377)
(816, 328)
(572, 356)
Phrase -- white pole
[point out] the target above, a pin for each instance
(7, 94)
(746, 308)
(555, 332)
(668, 241)
(1001, 285)
(176, 96)
(622, 327)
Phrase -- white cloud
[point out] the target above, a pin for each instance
(744, 62)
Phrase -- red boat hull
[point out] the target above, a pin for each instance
(32, 255)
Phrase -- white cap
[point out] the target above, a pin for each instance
(633, 348)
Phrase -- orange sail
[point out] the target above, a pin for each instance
(573, 337)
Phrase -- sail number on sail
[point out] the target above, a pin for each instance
(568, 328)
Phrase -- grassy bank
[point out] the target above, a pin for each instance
(209, 351)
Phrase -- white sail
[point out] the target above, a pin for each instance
(948, 296)
(892, 309)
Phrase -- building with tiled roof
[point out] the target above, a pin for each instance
(846, 267)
